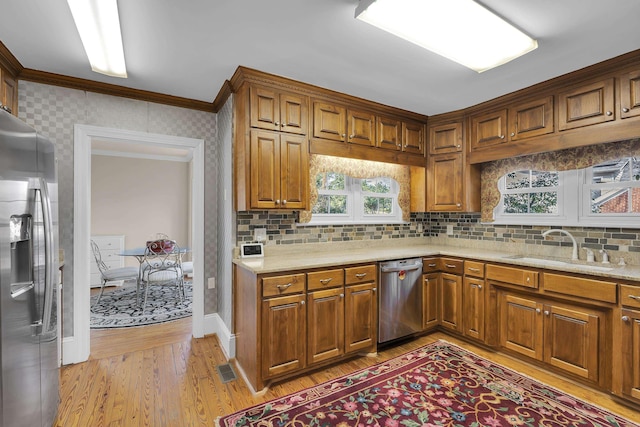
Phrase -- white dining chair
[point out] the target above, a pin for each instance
(162, 265)
(111, 274)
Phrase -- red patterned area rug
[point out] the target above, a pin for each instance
(437, 385)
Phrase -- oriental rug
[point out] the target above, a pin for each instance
(440, 384)
(118, 308)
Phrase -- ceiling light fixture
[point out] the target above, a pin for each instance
(99, 27)
(461, 30)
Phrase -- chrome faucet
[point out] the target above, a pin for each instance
(574, 255)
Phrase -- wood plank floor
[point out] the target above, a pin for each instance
(159, 376)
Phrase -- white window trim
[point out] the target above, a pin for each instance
(355, 206)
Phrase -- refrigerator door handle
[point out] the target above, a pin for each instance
(49, 282)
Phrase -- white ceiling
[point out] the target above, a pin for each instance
(189, 48)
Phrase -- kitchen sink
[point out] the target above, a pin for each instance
(552, 262)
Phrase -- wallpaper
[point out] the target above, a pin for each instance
(55, 110)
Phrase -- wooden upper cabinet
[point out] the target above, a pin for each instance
(361, 127)
(488, 129)
(294, 172)
(445, 138)
(8, 92)
(413, 137)
(445, 183)
(388, 133)
(530, 119)
(275, 110)
(329, 121)
(630, 95)
(586, 105)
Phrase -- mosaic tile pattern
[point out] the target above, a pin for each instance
(54, 110)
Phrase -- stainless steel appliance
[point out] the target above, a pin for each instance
(400, 299)
(28, 276)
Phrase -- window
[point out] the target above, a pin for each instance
(346, 200)
(604, 194)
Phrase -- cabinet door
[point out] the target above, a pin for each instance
(325, 325)
(521, 325)
(264, 108)
(445, 138)
(473, 302)
(388, 133)
(294, 172)
(586, 105)
(413, 137)
(451, 301)
(329, 121)
(294, 113)
(360, 317)
(361, 127)
(9, 92)
(265, 169)
(571, 340)
(533, 118)
(631, 354)
(284, 335)
(630, 95)
(430, 285)
(488, 130)
(444, 183)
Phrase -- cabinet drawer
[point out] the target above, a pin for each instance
(108, 242)
(325, 279)
(474, 268)
(630, 296)
(452, 265)
(283, 285)
(365, 273)
(430, 265)
(514, 276)
(579, 287)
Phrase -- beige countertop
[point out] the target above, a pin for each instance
(299, 257)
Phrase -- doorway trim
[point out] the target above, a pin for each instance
(77, 348)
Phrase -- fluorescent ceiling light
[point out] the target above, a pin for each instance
(461, 30)
(99, 27)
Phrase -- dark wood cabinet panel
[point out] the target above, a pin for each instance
(361, 308)
(630, 95)
(521, 325)
(9, 92)
(531, 119)
(586, 105)
(413, 137)
(361, 127)
(325, 325)
(473, 308)
(451, 301)
(329, 121)
(630, 354)
(444, 183)
(294, 172)
(445, 138)
(488, 129)
(271, 109)
(430, 304)
(388, 133)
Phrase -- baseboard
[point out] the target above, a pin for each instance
(213, 324)
(71, 352)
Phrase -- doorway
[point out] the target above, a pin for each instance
(77, 348)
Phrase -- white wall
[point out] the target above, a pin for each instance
(138, 198)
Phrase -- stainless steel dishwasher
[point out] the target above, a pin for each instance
(400, 299)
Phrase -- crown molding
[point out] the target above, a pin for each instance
(9, 62)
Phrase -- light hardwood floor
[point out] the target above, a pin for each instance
(160, 376)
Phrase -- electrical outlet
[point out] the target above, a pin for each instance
(449, 229)
(211, 283)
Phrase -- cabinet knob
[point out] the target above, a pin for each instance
(625, 318)
(501, 137)
(479, 286)
(528, 279)
(458, 146)
(513, 134)
(625, 110)
(609, 113)
(341, 295)
(374, 289)
(538, 311)
(302, 302)
(277, 123)
(351, 136)
(343, 135)
(458, 205)
(546, 312)
(277, 201)
(284, 202)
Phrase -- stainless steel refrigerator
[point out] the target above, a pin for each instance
(28, 276)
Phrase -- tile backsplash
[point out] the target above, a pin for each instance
(282, 229)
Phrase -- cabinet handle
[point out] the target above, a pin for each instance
(537, 310)
(360, 275)
(635, 297)
(325, 281)
(432, 265)
(343, 135)
(283, 287)
(426, 281)
(351, 136)
(625, 318)
(277, 123)
(528, 279)
(450, 266)
(284, 202)
(476, 270)
(546, 312)
(479, 286)
(625, 110)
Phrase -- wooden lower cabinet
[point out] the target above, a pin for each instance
(361, 317)
(430, 317)
(283, 335)
(451, 301)
(473, 308)
(630, 354)
(564, 336)
(325, 325)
